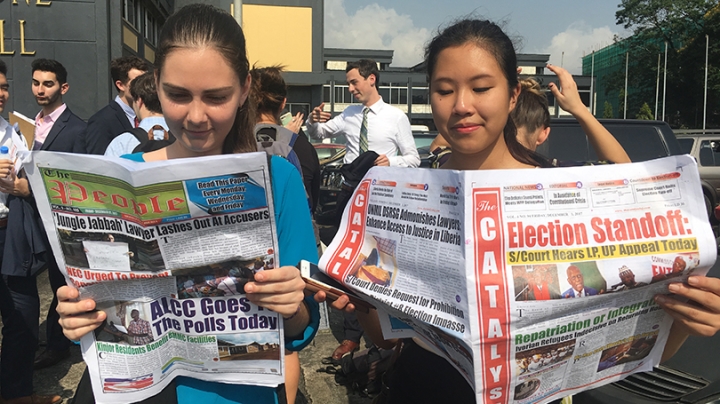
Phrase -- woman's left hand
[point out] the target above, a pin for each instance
(279, 290)
(699, 316)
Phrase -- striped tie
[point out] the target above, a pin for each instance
(363, 132)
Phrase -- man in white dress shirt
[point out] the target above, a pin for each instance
(372, 125)
(386, 131)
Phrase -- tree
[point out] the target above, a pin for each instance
(645, 113)
(607, 111)
(682, 24)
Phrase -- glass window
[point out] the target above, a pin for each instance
(385, 93)
(129, 12)
(686, 145)
(340, 94)
(420, 95)
(709, 155)
(151, 28)
(326, 93)
(296, 107)
(585, 98)
(403, 96)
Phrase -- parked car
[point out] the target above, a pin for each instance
(422, 142)
(331, 157)
(329, 153)
(642, 140)
(706, 150)
(690, 376)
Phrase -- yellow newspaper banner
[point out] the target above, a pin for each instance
(655, 247)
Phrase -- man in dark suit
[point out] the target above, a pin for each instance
(27, 250)
(576, 280)
(118, 116)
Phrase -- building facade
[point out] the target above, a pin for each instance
(85, 35)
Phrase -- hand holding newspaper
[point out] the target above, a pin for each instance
(533, 284)
(165, 250)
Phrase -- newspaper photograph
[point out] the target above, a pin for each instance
(533, 284)
(165, 249)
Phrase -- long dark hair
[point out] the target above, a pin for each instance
(201, 25)
(490, 37)
(268, 90)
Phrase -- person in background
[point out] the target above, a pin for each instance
(532, 118)
(147, 108)
(371, 125)
(56, 129)
(269, 92)
(118, 116)
(19, 311)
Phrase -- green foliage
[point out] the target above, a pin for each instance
(621, 103)
(645, 113)
(607, 111)
(683, 25)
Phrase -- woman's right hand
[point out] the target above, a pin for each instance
(77, 318)
(567, 95)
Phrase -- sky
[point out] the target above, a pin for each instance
(575, 27)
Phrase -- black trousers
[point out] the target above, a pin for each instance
(56, 340)
(20, 309)
(351, 326)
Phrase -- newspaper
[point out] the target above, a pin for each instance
(165, 249)
(482, 264)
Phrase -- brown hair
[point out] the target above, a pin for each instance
(202, 25)
(120, 67)
(531, 111)
(143, 87)
(365, 67)
(268, 90)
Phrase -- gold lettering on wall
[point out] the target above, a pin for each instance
(37, 2)
(22, 39)
(2, 40)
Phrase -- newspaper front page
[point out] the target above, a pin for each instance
(534, 284)
(165, 249)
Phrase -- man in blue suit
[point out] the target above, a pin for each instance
(578, 289)
(118, 116)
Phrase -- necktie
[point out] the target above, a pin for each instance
(137, 122)
(364, 132)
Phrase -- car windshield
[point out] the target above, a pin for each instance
(423, 139)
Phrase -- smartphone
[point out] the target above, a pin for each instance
(286, 118)
(316, 280)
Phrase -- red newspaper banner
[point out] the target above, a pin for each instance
(343, 260)
(493, 303)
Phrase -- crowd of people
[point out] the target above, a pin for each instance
(203, 99)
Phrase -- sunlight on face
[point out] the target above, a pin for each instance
(470, 99)
(200, 95)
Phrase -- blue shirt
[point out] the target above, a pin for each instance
(296, 241)
(127, 142)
